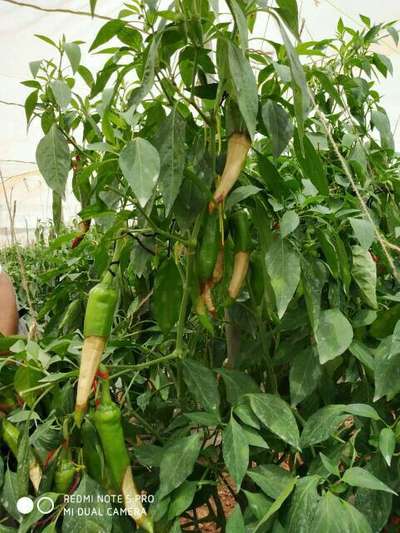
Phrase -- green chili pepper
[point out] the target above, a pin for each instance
(65, 472)
(241, 230)
(92, 453)
(107, 420)
(100, 308)
(209, 246)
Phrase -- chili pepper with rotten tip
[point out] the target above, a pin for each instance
(99, 316)
(242, 239)
(238, 147)
(108, 423)
(11, 435)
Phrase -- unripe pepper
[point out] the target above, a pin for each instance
(238, 148)
(92, 454)
(11, 434)
(241, 237)
(108, 423)
(99, 317)
(65, 472)
(209, 247)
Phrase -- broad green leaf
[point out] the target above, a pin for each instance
(167, 295)
(146, 85)
(364, 274)
(30, 105)
(387, 370)
(54, 159)
(61, 92)
(178, 462)
(235, 522)
(203, 419)
(254, 438)
(286, 491)
(362, 353)
(176, 527)
(276, 415)
(314, 276)
(279, 126)
(245, 86)
(237, 384)
(299, 85)
(107, 32)
(364, 231)
(271, 479)
(289, 13)
(239, 194)
(92, 6)
(289, 223)
(202, 384)
(172, 150)
(344, 265)
(246, 415)
(270, 175)
(387, 444)
(235, 450)
(34, 67)
(241, 24)
(304, 376)
(181, 498)
(304, 504)
(329, 465)
(381, 121)
(89, 510)
(395, 344)
(333, 335)
(334, 515)
(374, 504)
(140, 165)
(311, 164)
(23, 460)
(73, 52)
(322, 424)
(26, 378)
(359, 477)
(283, 267)
(362, 409)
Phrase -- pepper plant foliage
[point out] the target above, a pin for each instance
(288, 392)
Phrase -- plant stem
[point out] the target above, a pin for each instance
(141, 366)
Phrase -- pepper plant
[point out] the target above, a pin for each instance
(239, 222)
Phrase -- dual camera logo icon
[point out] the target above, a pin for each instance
(44, 505)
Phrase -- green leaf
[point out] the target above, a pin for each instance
(34, 67)
(171, 146)
(202, 384)
(146, 85)
(274, 181)
(235, 522)
(276, 415)
(237, 384)
(89, 510)
(290, 15)
(36, 515)
(387, 444)
(333, 335)
(387, 370)
(334, 515)
(239, 194)
(362, 353)
(314, 277)
(167, 295)
(299, 85)
(283, 267)
(362, 409)
(289, 222)
(241, 24)
(364, 274)
(279, 126)
(73, 52)
(181, 498)
(245, 86)
(364, 231)
(305, 373)
(61, 92)
(286, 491)
(381, 121)
(304, 504)
(235, 450)
(107, 32)
(271, 479)
(359, 477)
(178, 462)
(140, 165)
(254, 438)
(329, 465)
(92, 6)
(311, 164)
(23, 460)
(26, 378)
(53, 159)
(322, 424)
(30, 104)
